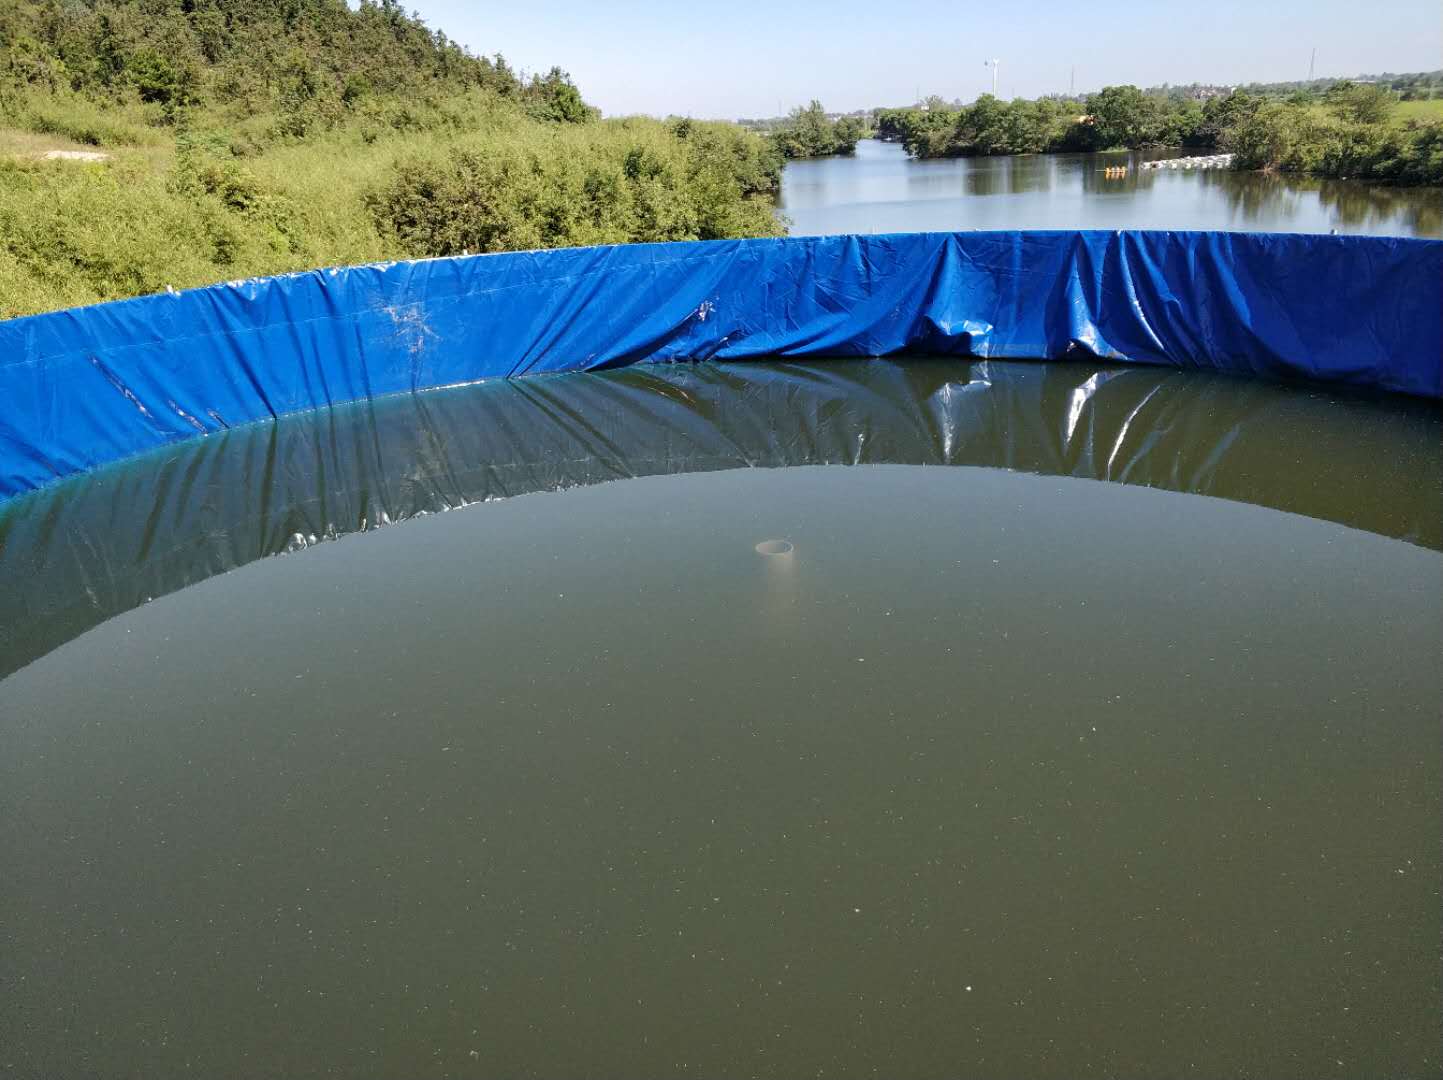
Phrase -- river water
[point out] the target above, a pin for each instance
(881, 189)
(1085, 725)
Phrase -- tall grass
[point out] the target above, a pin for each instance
(212, 199)
(75, 234)
(82, 120)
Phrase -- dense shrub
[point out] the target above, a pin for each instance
(617, 182)
(1295, 138)
(71, 235)
(810, 133)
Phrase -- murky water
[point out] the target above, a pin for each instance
(1000, 770)
(882, 190)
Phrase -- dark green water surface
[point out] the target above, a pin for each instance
(1090, 728)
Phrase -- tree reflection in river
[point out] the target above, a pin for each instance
(882, 190)
(1021, 174)
(1256, 198)
(1360, 206)
(1269, 198)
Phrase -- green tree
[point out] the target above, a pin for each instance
(891, 124)
(1362, 103)
(1124, 116)
(810, 132)
(1221, 114)
(931, 132)
(983, 128)
(157, 79)
(807, 132)
(848, 132)
(555, 97)
(1275, 136)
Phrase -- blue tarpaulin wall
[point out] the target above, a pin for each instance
(92, 385)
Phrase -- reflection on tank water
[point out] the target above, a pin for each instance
(99, 544)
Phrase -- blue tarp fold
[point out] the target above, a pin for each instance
(84, 387)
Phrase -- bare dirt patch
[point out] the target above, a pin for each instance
(32, 147)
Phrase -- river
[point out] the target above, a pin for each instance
(881, 189)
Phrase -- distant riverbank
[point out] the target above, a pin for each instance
(881, 189)
(1358, 131)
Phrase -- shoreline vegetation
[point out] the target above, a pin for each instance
(812, 132)
(1340, 130)
(252, 137)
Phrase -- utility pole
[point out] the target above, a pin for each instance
(1312, 63)
(1072, 82)
(994, 65)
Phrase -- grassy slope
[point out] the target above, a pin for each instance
(1419, 110)
(77, 233)
(73, 233)
(29, 145)
(278, 154)
(1400, 112)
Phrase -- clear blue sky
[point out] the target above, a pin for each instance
(750, 58)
